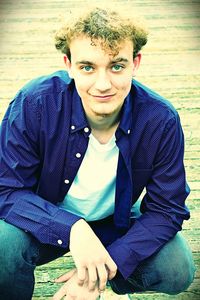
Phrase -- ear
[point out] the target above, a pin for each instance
(136, 63)
(68, 65)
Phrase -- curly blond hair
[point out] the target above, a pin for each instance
(105, 26)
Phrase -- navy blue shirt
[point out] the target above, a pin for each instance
(41, 133)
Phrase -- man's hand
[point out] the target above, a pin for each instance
(72, 290)
(90, 257)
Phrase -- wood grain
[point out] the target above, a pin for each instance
(170, 66)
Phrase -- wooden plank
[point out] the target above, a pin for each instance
(169, 66)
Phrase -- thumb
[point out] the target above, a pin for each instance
(65, 277)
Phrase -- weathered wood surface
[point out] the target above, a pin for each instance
(170, 66)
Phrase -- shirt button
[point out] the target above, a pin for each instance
(78, 155)
(86, 129)
(72, 127)
(129, 131)
(66, 181)
(59, 242)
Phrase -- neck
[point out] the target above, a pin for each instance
(103, 122)
(104, 127)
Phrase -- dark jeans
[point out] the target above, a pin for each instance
(170, 271)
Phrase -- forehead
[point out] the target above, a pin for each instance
(83, 47)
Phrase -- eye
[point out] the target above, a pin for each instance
(117, 68)
(87, 68)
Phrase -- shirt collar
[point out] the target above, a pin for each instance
(126, 115)
(78, 120)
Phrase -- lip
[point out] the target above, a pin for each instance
(104, 97)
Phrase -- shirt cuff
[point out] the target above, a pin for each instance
(61, 227)
(124, 258)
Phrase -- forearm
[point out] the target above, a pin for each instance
(44, 220)
(163, 207)
(147, 235)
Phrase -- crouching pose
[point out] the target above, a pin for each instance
(77, 148)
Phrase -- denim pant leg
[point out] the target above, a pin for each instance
(170, 271)
(17, 263)
(20, 252)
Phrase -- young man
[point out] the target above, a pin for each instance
(77, 148)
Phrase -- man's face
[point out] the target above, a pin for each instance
(102, 80)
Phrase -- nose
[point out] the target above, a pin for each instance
(102, 82)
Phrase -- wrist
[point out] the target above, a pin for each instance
(77, 226)
(80, 222)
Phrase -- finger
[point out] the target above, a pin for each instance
(60, 293)
(92, 280)
(103, 277)
(81, 275)
(65, 277)
(69, 297)
(112, 269)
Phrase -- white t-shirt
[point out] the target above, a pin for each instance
(92, 193)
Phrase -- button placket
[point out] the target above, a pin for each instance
(78, 155)
(86, 130)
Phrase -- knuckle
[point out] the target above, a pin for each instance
(101, 258)
(91, 267)
(102, 281)
(103, 278)
(114, 269)
(112, 273)
(91, 288)
(80, 280)
(81, 265)
(99, 261)
(72, 294)
(81, 275)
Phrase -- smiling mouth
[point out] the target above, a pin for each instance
(104, 97)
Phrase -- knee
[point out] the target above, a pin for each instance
(182, 268)
(181, 279)
(14, 245)
(172, 269)
(178, 277)
(10, 249)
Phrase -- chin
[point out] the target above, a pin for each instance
(103, 114)
(107, 111)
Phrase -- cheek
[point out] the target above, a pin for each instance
(123, 83)
(82, 83)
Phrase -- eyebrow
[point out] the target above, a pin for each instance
(84, 62)
(117, 60)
